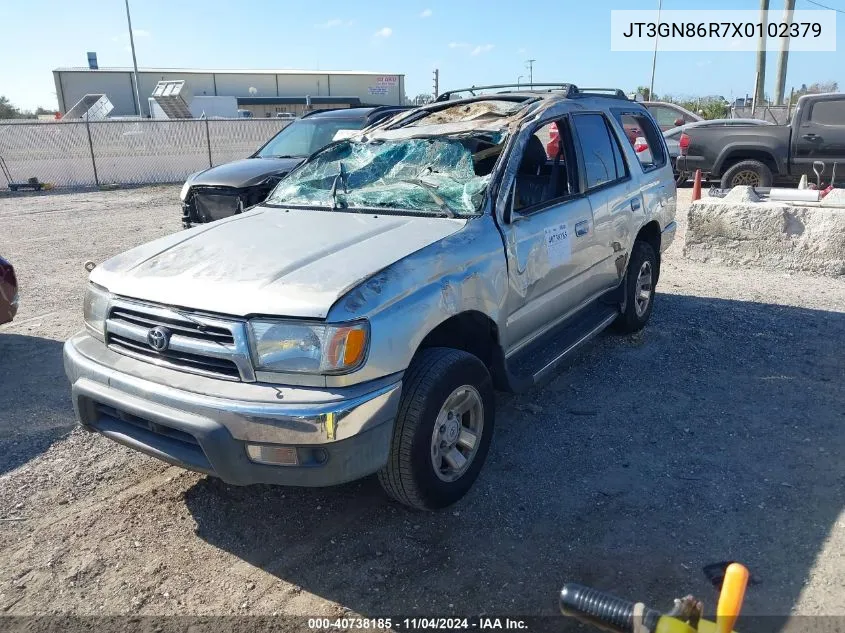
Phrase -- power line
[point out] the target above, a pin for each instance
(823, 6)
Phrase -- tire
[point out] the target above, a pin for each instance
(635, 314)
(434, 377)
(751, 173)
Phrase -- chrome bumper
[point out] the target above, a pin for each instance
(205, 424)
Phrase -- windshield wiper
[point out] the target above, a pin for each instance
(283, 156)
(342, 178)
(432, 191)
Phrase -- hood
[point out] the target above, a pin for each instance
(269, 261)
(247, 172)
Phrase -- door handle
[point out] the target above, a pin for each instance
(635, 204)
(811, 137)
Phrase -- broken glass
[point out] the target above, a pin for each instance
(443, 175)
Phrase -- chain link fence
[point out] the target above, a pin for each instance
(146, 151)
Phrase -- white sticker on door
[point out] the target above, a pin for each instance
(558, 246)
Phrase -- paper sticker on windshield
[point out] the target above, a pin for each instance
(342, 134)
(558, 246)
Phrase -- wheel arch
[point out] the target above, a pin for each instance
(473, 332)
(651, 234)
(733, 155)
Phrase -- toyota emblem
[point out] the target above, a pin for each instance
(159, 338)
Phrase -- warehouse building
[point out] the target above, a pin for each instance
(263, 92)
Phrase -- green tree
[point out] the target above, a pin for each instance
(816, 88)
(7, 110)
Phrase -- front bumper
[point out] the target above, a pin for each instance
(202, 425)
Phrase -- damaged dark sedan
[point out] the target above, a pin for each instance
(225, 190)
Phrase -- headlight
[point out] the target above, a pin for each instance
(95, 307)
(187, 186)
(304, 348)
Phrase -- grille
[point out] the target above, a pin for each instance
(197, 330)
(147, 425)
(216, 204)
(199, 345)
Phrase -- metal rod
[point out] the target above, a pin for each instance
(760, 85)
(208, 142)
(654, 57)
(530, 63)
(134, 61)
(783, 58)
(91, 148)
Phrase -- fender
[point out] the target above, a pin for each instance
(752, 151)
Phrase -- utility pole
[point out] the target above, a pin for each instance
(783, 58)
(519, 80)
(760, 88)
(436, 82)
(530, 63)
(654, 57)
(134, 61)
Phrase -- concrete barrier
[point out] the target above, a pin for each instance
(739, 230)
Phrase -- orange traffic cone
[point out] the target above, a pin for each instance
(696, 186)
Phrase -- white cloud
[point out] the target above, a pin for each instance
(458, 45)
(426, 13)
(705, 63)
(140, 33)
(330, 24)
(482, 48)
(384, 32)
(520, 51)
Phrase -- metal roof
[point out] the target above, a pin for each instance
(220, 71)
(319, 100)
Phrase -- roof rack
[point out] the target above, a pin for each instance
(571, 90)
(616, 93)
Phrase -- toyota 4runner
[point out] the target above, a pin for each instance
(359, 320)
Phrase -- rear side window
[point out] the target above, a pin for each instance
(644, 136)
(829, 112)
(603, 162)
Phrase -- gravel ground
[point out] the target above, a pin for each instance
(715, 434)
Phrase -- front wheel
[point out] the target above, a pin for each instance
(640, 281)
(443, 430)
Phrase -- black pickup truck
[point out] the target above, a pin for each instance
(758, 155)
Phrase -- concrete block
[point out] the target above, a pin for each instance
(736, 231)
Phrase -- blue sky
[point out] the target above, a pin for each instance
(471, 41)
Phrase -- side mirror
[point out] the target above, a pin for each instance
(679, 122)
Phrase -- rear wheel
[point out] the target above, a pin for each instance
(640, 281)
(748, 173)
(443, 430)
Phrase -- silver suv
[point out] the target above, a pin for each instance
(360, 319)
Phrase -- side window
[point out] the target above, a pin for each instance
(664, 116)
(829, 112)
(643, 136)
(547, 167)
(603, 161)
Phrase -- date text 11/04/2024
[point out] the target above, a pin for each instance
(419, 624)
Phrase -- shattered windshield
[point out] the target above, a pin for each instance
(441, 175)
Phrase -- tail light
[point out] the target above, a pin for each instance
(640, 145)
(553, 131)
(683, 143)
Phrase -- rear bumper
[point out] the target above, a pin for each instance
(667, 235)
(336, 441)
